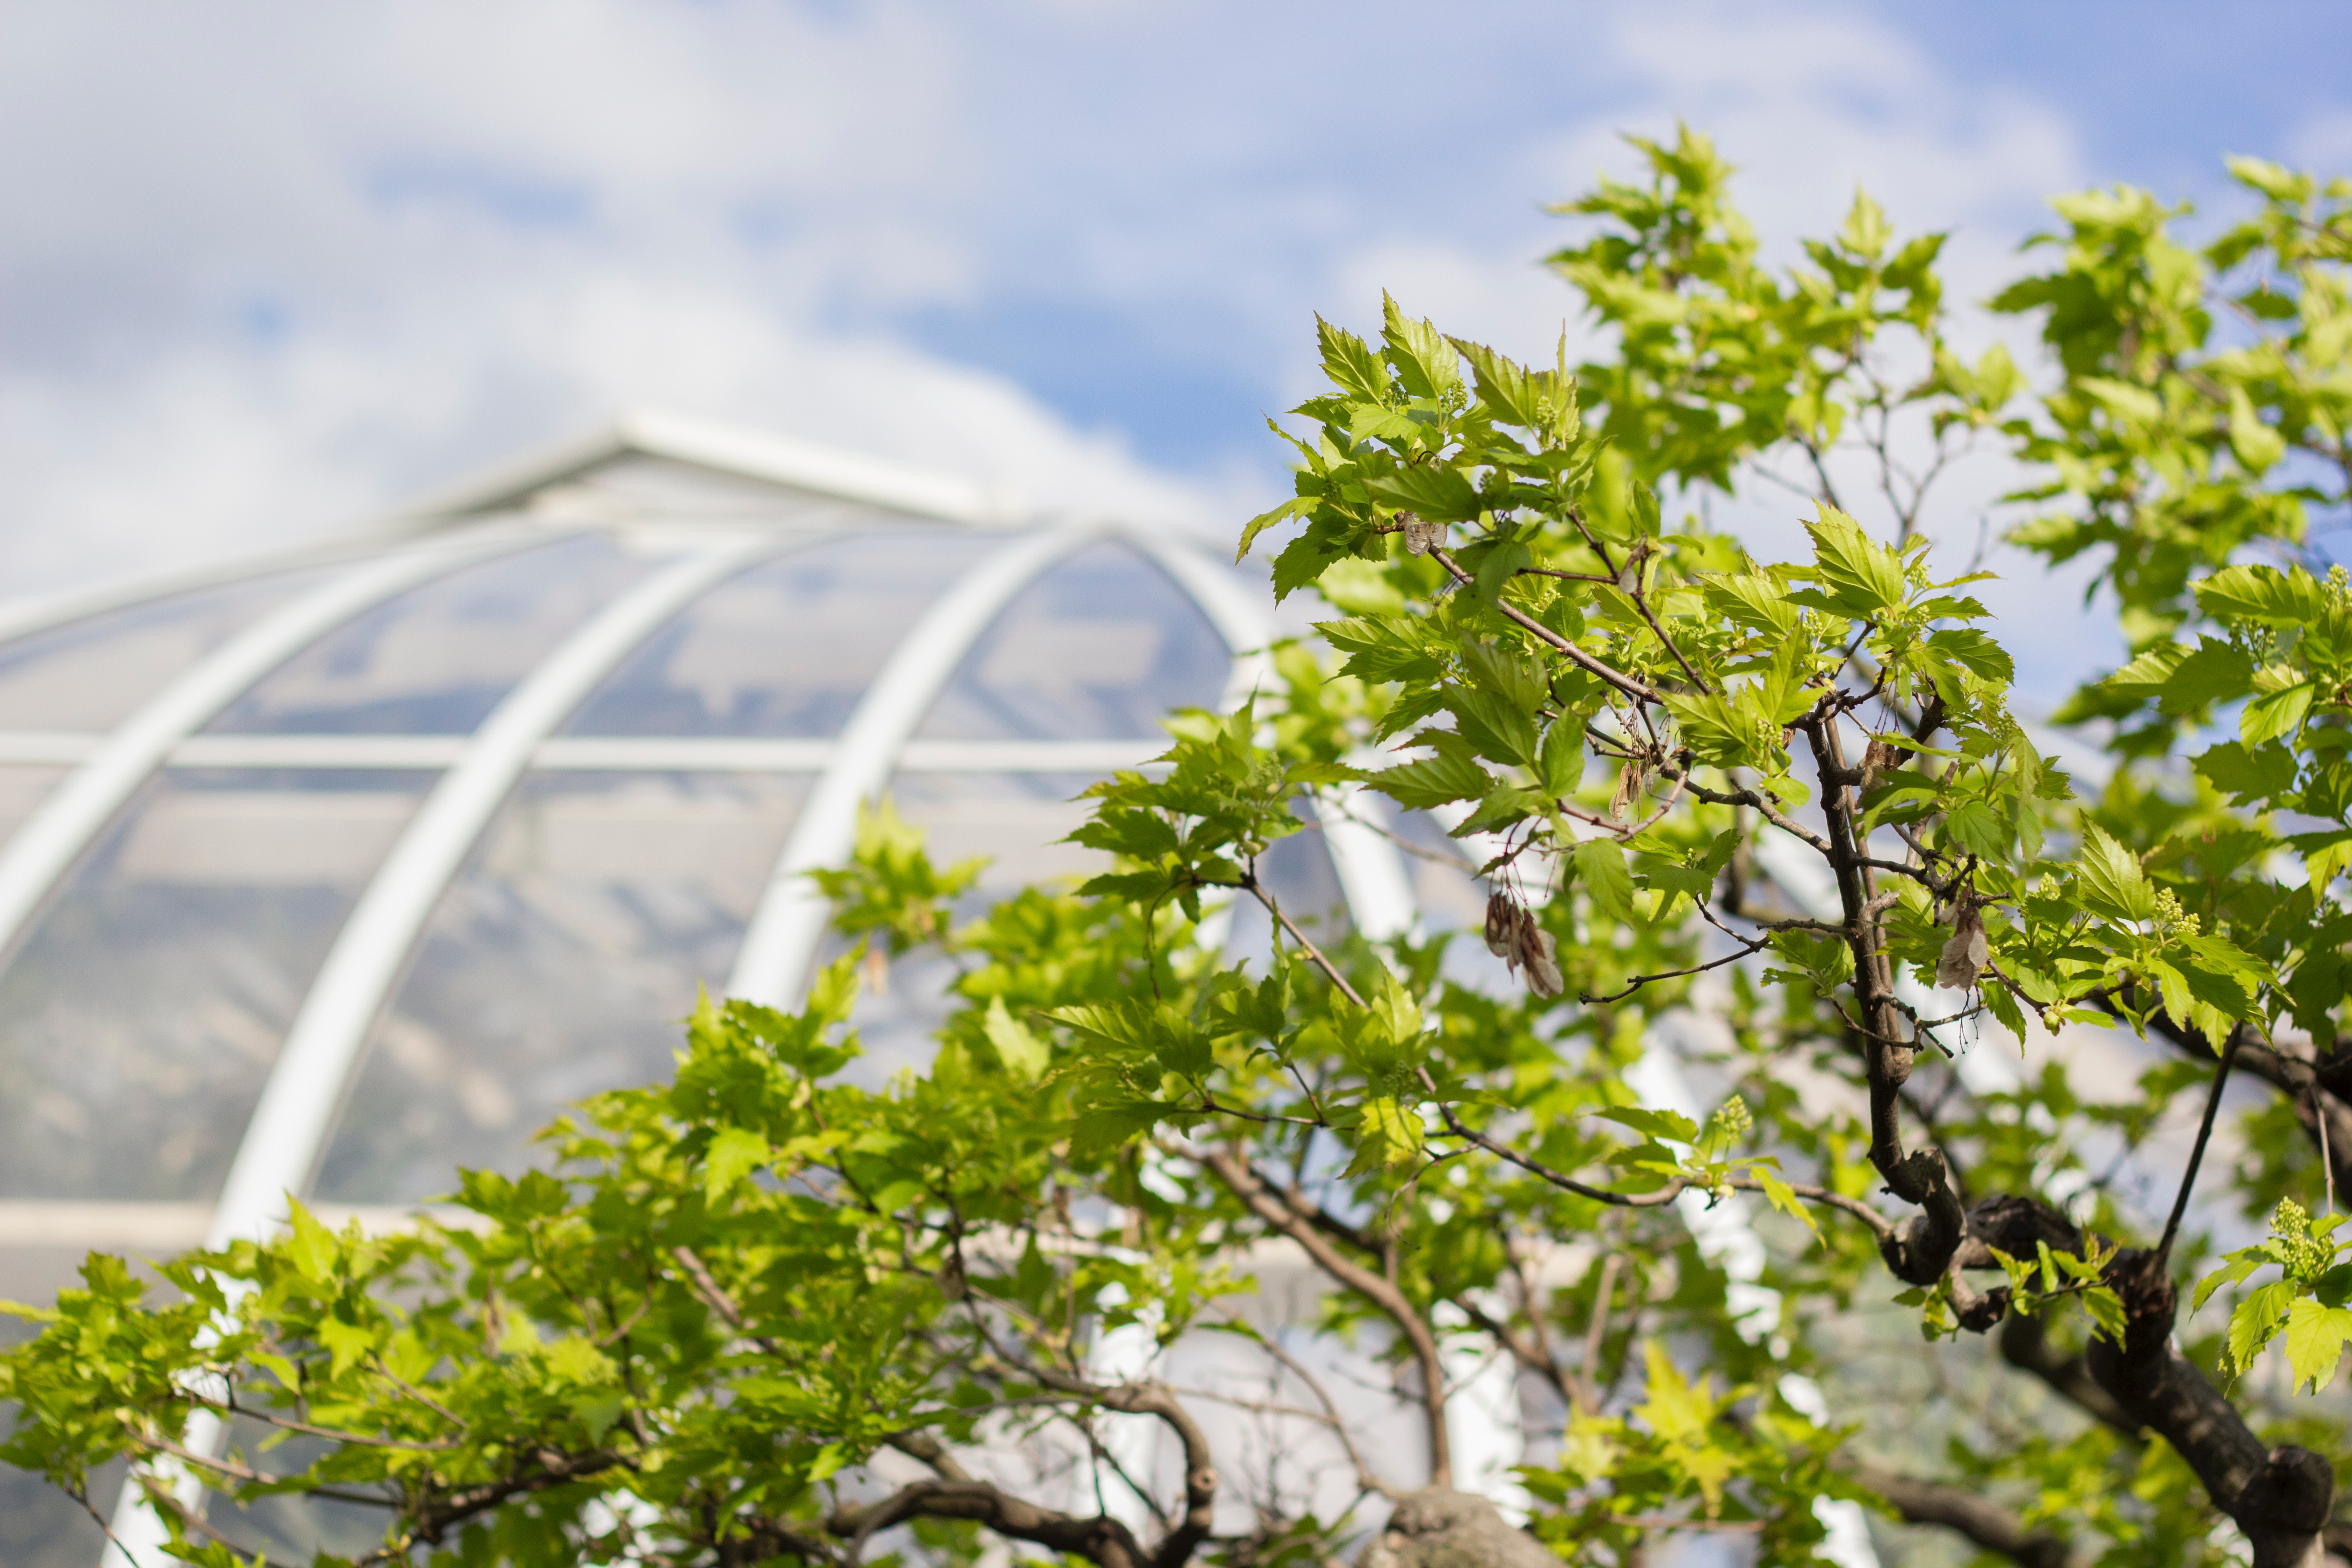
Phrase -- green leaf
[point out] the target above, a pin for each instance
(1021, 1052)
(2275, 713)
(1452, 774)
(1783, 1196)
(1600, 869)
(2315, 1341)
(2264, 595)
(1672, 1126)
(2256, 1320)
(2110, 877)
(312, 1248)
(347, 1345)
(1389, 1137)
(1980, 829)
(1437, 494)
(2256, 443)
(1425, 361)
(1861, 577)
(735, 1153)
(2240, 1265)
(2251, 773)
(1974, 651)
(1294, 507)
(1350, 363)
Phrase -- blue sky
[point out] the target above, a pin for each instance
(271, 266)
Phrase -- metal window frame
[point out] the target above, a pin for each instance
(308, 1083)
(790, 918)
(62, 827)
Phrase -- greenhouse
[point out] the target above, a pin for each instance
(334, 872)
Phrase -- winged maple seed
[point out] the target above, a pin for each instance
(1964, 956)
(1513, 936)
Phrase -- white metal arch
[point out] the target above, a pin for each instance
(792, 914)
(1371, 873)
(306, 1089)
(54, 837)
(290, 1124)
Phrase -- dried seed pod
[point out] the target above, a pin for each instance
(1538, 956)
(1966, 954)
(1630, 780)
(1502, 925)
(1513, 936)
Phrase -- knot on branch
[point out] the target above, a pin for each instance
(1919, 1252)
(2019, 1227)
(1977, 1313)
(2292, 1495)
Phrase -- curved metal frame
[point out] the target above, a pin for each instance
(290, 1125)
(306, 1087)
(792, 914)
(75, 813)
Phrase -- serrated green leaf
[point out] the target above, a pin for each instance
(2315, 1340)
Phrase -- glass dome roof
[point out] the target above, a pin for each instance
(332, 874)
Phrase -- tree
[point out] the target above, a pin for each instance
(761, 1313)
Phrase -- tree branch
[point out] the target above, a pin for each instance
(1981, 1519)
(1261, 1200)
(1101, 1540)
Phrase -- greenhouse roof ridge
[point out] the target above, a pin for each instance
(728, 450)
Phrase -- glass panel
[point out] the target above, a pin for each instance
(1101, 645)
(22, 790)
(789, 648)
(558, 965)
(141, 1017)
(90, 674)
(435, 660)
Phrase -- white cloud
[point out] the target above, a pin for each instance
(271, 266)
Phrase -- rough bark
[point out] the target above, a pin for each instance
(2026, 1346)
(2281, 1498)
(1441, 1528)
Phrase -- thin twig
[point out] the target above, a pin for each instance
(2327, 1164)
(1596, 1333)
(1640, 980)
(1616, 677)
(2197, 1153)
(1314, 953)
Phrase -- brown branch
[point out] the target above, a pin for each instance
(2025, 1344)
(1921, 1252)
(2281, 1498)
(1314, 953)
(1552, 639)
(2197, 1151)
(1383, 1292)
(1101, 1540)
(1981, 1519)
(1157, 1399)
